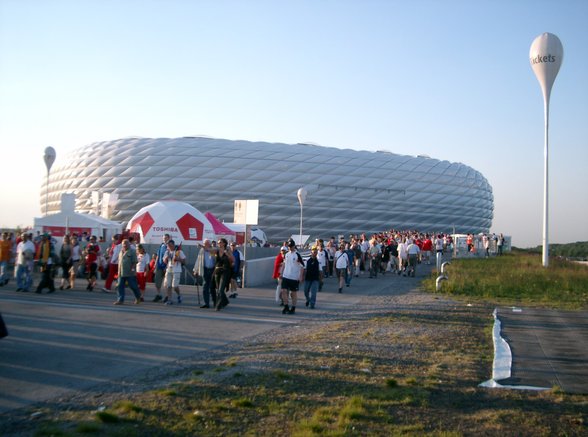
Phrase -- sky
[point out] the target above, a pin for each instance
(449, 79)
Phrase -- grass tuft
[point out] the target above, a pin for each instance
(126, 407)
(243, 402)
(107, 417)
(88, 428)
(391, 383)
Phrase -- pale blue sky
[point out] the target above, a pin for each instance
(450, 79)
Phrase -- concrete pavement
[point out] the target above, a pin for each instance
(549, 348)
(77, 340)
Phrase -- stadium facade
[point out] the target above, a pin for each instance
(349, 191)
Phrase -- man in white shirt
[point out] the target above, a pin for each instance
(291, 275)
(413, 254)
(322, 259)
(341, 266)
(174, 259)
(364, 246)
(402, 257)
(24, 256)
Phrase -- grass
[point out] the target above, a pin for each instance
(517, 279)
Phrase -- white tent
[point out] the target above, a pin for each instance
(72, 222)
(184, 223)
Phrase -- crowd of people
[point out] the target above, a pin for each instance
(393, 252)
(218, 267)
(123, 263)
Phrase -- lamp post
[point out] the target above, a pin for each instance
(49, 158)
(545, 56)
(301, 198)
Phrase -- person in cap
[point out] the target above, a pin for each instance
(312, 276)
(278, 262)
(291, 274)
(342, 266)
(277, 273)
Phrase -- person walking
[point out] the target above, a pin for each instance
(292, 274)
(341, 263)
(374, 256)
(65, 255)
(5, 254)
(174, 259)
(75, 261)
(222, 273)
(25, 253)
(160, 267)
(236, 272)
(45, 256)
(91, 253)
(413, 254)
(312, 274)
(402, 257)
(351, 255)
(127, 273)
(143, 260)
(323, 258)
(204, 268)
(486, 245)
(278, 261)
(500, 244)
(113, 251)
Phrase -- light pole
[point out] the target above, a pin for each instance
(545, 56)
(49, 159)
(301, 198)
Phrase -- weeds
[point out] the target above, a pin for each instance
(516, 279)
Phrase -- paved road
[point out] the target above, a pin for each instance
(73, 340)
(549, 348)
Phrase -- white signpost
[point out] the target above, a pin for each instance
(246, 213)
(546, 56)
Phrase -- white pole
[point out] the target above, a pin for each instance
(545, 258)
(301, 194)
(300, 238)
(47, 194)
(244, 256)
(546, 56)
(49, 158)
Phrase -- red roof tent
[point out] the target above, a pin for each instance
(218, 227)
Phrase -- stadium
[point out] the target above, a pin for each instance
(349, 191)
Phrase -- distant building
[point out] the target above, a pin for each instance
(348, 191)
